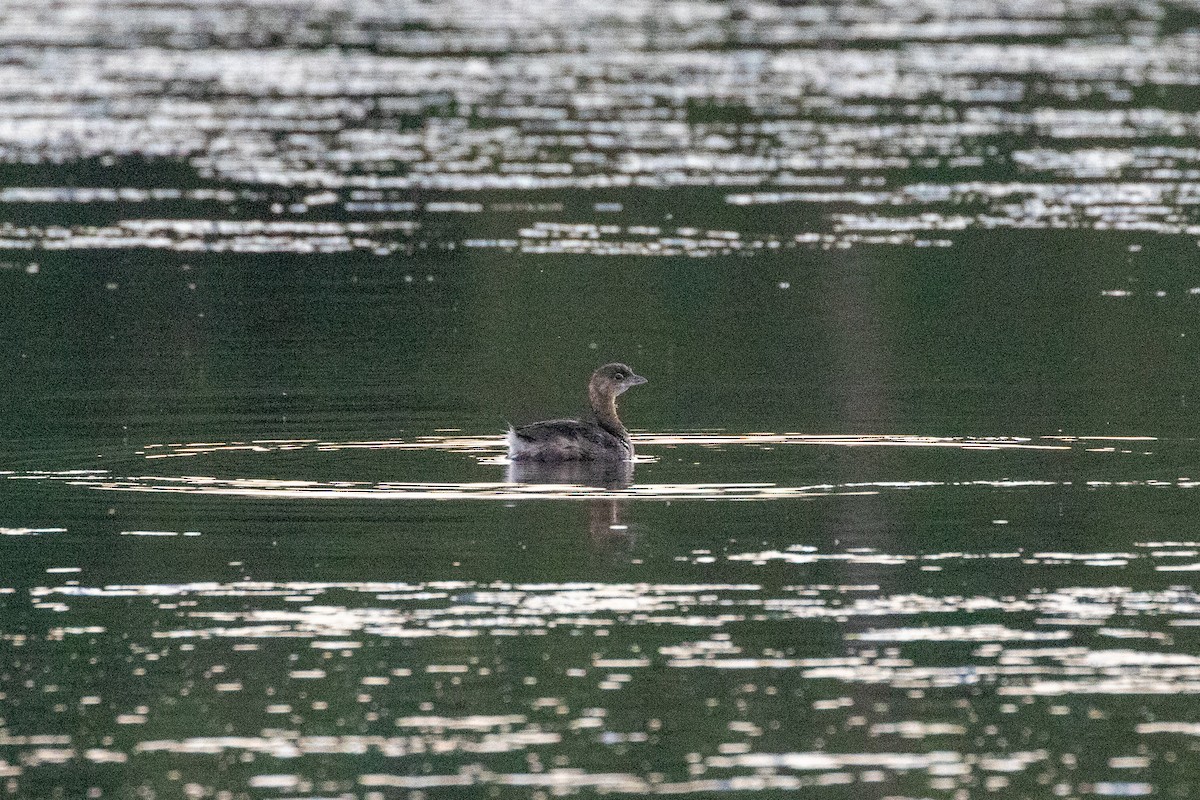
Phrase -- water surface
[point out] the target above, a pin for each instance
(913, 509)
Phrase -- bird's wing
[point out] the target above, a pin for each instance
(553, 428)
(560, 440)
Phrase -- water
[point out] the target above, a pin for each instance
(913, 513)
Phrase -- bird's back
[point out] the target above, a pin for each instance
(566, 440)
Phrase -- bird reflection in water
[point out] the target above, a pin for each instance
(606, 512)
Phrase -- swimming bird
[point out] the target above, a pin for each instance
(601, 438)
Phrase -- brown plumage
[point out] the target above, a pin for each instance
(603, 438)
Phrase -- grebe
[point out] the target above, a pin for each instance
(605, 438)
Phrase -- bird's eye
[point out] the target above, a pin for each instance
(620, 376)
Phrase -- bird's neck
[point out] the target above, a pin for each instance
(604, 406)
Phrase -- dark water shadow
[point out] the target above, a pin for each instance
(601, 474)
(608, 528)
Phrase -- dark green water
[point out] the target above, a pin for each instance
(915, 508)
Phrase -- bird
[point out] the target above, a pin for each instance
(602, 438)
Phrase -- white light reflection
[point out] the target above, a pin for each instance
(916, 644)
(486, 490)
(490, 490)
(497, 443)
(534, 481)
(29, 531)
